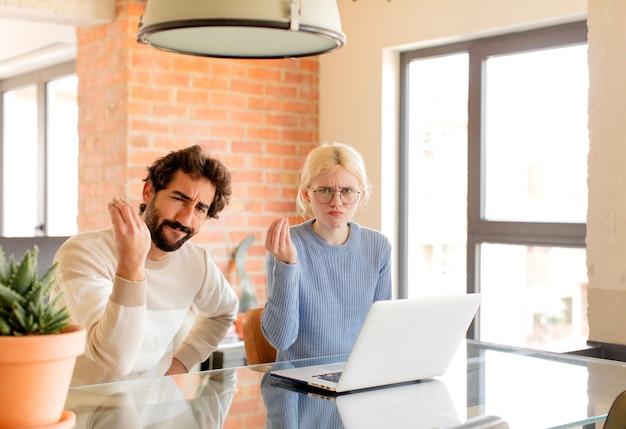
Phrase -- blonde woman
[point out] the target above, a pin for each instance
(324, 274)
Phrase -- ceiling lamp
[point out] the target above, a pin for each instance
(242, 28)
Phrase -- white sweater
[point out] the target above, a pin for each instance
(131, 325)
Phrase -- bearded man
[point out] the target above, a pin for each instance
(133, 285)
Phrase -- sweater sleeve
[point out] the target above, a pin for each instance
(217, 306)
(112, 309)
(384, 286)
(280, 320)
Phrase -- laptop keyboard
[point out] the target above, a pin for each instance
(330, 376)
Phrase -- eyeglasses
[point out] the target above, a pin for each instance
(326, 195)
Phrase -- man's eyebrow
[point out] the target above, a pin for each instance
(186, 197)
(182, 196)
(203, 206)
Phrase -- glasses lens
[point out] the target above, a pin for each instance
(323, 195)
(347, 195)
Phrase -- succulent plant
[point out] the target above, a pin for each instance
(25, 304)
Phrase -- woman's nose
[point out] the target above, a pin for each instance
(336, 199)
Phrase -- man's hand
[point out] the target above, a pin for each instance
(132, 240)
(278, 242)
(176, 368)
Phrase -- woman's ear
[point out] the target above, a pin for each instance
(359, 208)
(305, 195)
(362, 195)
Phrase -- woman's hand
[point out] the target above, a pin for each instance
(278, 242)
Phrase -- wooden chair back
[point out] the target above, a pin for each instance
(258, 349)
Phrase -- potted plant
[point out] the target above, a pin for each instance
(38, 346)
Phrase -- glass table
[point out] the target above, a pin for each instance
(526, 388)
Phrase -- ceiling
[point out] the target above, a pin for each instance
(30, 45)
(40, 33)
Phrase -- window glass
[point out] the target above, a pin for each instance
(62, 153)
(437, 180)
(536, 138)
(39, 146)
(493, 191)
(534, 296)
(20, 162)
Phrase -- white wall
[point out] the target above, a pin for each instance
(359, 105)
(606, 215)
(359, 83)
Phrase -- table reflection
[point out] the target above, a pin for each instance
(200, 400)
(525, 388)
(293, 409)
(424, 404)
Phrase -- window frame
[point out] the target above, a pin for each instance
(39, 78)
(480, 230)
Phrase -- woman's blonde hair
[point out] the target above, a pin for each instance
(325, 158)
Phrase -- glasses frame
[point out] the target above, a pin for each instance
(332, 195)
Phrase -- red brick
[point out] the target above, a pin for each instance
(260, 117)
(247, 87)
(263, 133)
(281, 149)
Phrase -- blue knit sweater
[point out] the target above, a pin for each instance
(316, 307)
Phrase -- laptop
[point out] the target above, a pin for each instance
(401, 340)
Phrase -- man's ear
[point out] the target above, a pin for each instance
(148, 191)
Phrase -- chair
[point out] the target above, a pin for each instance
(616, 419)
(258, 349)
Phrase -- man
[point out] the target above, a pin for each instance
(132, 285)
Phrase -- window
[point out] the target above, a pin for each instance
(39, 157)
(493, 182)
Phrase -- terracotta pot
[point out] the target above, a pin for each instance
(35, 375)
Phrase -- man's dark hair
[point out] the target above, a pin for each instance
(197, 163)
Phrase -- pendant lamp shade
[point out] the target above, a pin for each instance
(242, 28)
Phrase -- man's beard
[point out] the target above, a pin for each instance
(151, 216)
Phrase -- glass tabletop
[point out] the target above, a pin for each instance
(526, 388)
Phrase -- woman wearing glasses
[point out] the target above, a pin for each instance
(325, 273)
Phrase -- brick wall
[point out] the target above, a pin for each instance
(260, 117)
